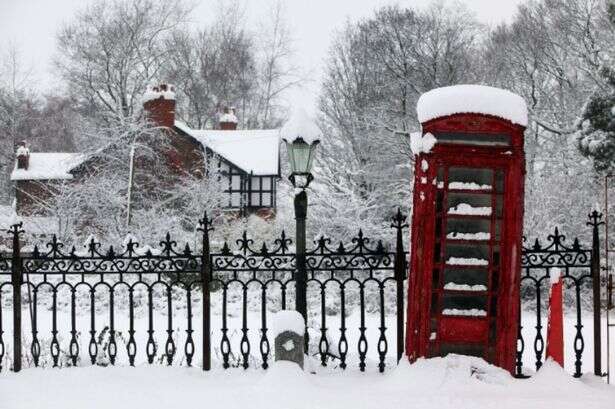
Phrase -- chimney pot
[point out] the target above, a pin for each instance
(23, 156)
(228, 120)
(159, 105)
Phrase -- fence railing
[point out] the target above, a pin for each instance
(579, 267)
(171, 304)
(106, 296)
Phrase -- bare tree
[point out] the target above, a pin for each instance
(277, 73)
(376, 71)
(113, 49)
(227, 64)
(212, 68)
(17, 110)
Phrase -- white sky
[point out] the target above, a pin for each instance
(32, 24)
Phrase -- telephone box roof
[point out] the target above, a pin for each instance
(477, 99)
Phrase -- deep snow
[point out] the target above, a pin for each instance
(453, 382)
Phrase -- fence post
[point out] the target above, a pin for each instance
(399, 223)
(16, 279)
(205, 228)
(595, 222)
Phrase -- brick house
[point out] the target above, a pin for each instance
(248, 160)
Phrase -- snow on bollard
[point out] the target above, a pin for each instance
(555, 328)
(288, 331)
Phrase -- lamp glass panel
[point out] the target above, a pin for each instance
(300, 157)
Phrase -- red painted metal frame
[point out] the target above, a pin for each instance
(510, 159)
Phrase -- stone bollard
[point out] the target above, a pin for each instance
(288, 331)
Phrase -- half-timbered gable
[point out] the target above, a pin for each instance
(248, 160)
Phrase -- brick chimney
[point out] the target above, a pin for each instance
(228, 120)
(23, 156)
(159, 105)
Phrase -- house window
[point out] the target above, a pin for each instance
(246, 191)
(261, 191)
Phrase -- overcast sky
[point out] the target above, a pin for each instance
(32, 24)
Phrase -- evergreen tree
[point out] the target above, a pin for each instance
(597, 125)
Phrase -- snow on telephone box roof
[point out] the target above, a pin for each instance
(254, 151)
(475, 99)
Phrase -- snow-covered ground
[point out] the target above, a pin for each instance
(441, 383)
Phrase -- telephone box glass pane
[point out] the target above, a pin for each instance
(468, 254)
(469, 204)
(499, 181)
(464, 305)
(468, 229)
(475, 278)
(498, 206)
(470, 178)
(473, 138)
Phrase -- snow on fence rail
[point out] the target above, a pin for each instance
(133, 306)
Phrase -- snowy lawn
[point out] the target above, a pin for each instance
(453, 382)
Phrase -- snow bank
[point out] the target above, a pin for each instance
(479, 99)
(287, 320)
(48, 165)
(452, 382)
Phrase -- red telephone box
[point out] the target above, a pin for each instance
(466, 227)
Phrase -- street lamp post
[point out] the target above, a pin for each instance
(301, 156)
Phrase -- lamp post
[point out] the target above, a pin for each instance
(301, 156)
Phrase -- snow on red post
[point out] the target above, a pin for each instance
(555, 328)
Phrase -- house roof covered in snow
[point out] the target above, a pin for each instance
(254, 151)
(48, 165)
(477, 99)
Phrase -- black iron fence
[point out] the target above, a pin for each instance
(579, 267)
(243, 283)
(171, 304)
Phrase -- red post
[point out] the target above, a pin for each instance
(555, 328)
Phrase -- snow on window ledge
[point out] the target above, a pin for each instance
(473, 312)
(465, 209)
(464, 287)
(462, 261)
(468, 236)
